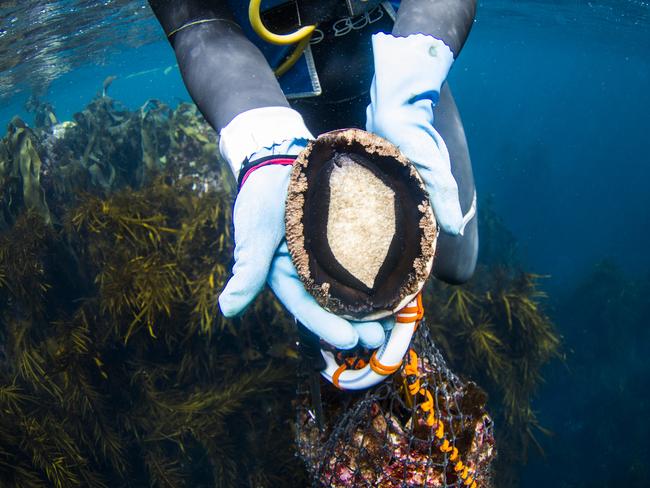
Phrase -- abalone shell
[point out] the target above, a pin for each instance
(360, 228)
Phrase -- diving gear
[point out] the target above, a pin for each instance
(260, 250)
(261, 255)
(260, 29)
(340, 333)
(292, 63)
(456, 256)
(225, 83)
(385, 361)
(447, 20)
(312, 363)
(301, 37)
(222, 82)
(258, 213)
(285, 15)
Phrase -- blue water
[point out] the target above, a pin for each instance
(555, 97)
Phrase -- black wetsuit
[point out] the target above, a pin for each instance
(226, 74)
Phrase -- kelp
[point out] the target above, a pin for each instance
(117, 367)
(20, 174)
(495, 330)
(44, 116)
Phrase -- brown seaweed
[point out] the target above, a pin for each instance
(116, 367)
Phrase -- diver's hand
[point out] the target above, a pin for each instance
(274, 135)
(285, 283)
(261, 254)
(409, 72)
(258, 219)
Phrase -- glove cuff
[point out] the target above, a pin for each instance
(249, 166)
(262, 132)
(410, 67)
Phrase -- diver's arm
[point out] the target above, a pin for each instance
(450, 21)
(237, 92)
(223, 71)
(410, 72)
(447, 20)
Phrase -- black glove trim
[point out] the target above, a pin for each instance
(249, 166)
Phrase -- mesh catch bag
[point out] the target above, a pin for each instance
(422, 427)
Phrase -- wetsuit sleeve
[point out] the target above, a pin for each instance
(447, 20)
(224, 72)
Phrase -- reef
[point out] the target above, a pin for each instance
(116, 368)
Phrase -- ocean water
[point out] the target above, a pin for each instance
(555, 97)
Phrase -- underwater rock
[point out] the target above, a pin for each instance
(359, 225)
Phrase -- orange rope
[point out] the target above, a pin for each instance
(351, 362)
(382, 369)
(411, 372)
(337, 373)
(404, 315)
(427, 406)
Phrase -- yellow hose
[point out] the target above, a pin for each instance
(293, 57)
(280, 39)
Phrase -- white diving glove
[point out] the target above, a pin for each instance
(272, 137)
(409, 72)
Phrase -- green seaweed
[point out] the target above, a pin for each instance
(116, 367)
(494, 329)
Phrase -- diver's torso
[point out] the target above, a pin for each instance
(338, 65)
(342, 52)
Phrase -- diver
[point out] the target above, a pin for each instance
(266, 76)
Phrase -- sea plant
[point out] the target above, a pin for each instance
(118, 370)
(494, 329)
